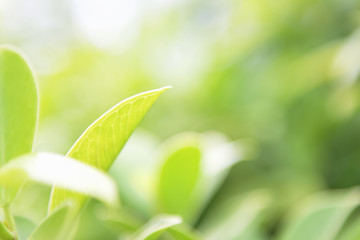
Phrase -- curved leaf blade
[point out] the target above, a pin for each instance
(237, 218)
(184, 232)
(18, 109)
(156, 226)
(57, 225)
(321, 216)
(120, 221)
(102, 142)
(68, 173)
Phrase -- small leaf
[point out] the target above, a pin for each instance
(195, 166)
(57, 225)
(68, 173)
(101, 143)
(178, 179)
(156, 226)
(18, 109)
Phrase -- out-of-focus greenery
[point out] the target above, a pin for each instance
(279, 79)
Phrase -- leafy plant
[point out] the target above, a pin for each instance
(94, 151)
(184, 177)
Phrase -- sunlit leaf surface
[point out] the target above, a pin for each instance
(101, 143)
(18, 109)
(68, 173)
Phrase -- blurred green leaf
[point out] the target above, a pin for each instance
(24, 227)
(321, 217)
(57, 225)
(68, 173)
(178, 179)
(18, 109)
(183, 232)
(101, 143)
(32, 202)
(237, 218)
(351, 232)
(120, 221)
(156, 226)
(195, 166)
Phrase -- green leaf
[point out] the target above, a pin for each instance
(57, 226)
(18, 110)
(178, 179)
(195, 166)
(120, 221)
(184, 232)
(237, 218)
(68, 173)
(350, 231)
(101, 143)
(321, 216)
(156, 226)
(24, 227)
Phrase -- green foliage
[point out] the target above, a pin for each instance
(280, 80)
(57, 226)
(97, 148)
(183, 232)
(18, 110)
(321, 216)
(178, 179)
(156, 226)
(238, 218)
(101, 143)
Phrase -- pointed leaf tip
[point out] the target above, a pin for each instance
(103, 140)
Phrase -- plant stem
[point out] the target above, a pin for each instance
(7, 227)
(9, 218)
(5, 233)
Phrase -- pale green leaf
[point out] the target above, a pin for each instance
(178, 179)
(237, 218)
(24, 227)
(321, 217)
(350, 231)
(18, 109)
(68, 173)
(57, 226)
(194, 167)
(101, 143)
(156, 226)
(184, 232)
(120, 221)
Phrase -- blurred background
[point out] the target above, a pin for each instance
(280, 77)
